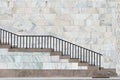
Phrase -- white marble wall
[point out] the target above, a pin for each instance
(93, 24)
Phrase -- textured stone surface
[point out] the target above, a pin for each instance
(93, 24)
(48, 73)
(35, 60)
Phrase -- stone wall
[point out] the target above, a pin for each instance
(93, 24)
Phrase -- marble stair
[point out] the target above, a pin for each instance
(22, 62)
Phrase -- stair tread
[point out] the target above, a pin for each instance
(51, 73)
(4, 46)
(55, 53)
(30, 50)
(83, 64)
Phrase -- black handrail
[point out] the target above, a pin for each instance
(48, 41)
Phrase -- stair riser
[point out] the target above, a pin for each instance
(42, 66)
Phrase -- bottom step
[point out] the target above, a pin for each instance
(54, 73)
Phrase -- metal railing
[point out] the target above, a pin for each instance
(48, 41)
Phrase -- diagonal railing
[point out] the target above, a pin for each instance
(48, 41)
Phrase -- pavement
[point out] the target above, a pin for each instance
(67, 78)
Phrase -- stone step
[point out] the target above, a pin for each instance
(41, 66)
(83, 64)
(30, 50)
(73, 60)
(4, 46)
(64, 57)
(55, 53)
(51, 73)
(104, 72)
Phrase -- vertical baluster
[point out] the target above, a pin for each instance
(91, 58)
(50, 42)
(56, 44)
(26, 42)
(70, 50)
(33, 42)
(78, 52)
(94, 59)
(83, 54)
(0, 36)
(3, 37)
(11, 40)
(47, 41)
(17, 41)
(41, 42)
(23, 41)
(65, 48)
(6, 37)
(75, 52)
(14, 40)
(29, 41)
(62, 47)
(99, 61)
(59, 44)
(20, 42)
(86, 55)
(44, 41)
(38, 41)
(53, 43)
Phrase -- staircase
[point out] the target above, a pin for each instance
(62, 58)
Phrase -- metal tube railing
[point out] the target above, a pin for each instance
(47, 41)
